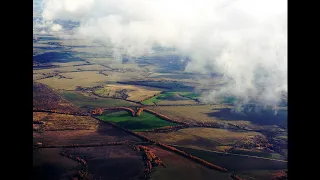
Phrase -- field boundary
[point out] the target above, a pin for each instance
(167, 147)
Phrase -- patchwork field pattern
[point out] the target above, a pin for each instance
(130, 92)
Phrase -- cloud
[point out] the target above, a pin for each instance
(245, 40)
(46, 27)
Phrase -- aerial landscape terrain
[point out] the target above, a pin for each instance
(97, 115)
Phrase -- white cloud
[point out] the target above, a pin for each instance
(239, 38)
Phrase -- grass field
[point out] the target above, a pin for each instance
(86, 101)
(190, 95)
(140, 123)
(168, 98)
(134, 93)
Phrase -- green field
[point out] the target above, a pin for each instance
(158, 98)
(190, 95)
(172, 95)
(140, 123)
(85, 101)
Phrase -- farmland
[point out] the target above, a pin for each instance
(168, 98)
(200, 138)
(139, 123)
(87, 101)
(46, 99)
(109, 162)
(237, 163)
(73, 78)
(179, 167)
(54, 121)
(130, 92)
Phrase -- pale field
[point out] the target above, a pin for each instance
(124, 66)
(83, 79)
(38, 76)
(135, 93)
(190, 114)
(87, 79)
(44, 45)
(201, 138)
(76, 42)
(96, 67)
(120, 76)
(55, 121)
(149, 67)
(168, 102)
(200, 114)
(92, 49)
(101, 60)
(222, 136)
(57, 70)
(64, 69)
(69, 63)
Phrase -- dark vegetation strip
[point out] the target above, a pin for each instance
(194, 99)
(68, 129)
(137, 102)
(82, 173)
(57, 112)
(89, 145)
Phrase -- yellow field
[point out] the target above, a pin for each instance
(120, 76)
(38, 76)
(201, 138)
(96, 67)
(59, 69)
(201, 113)
(135, 93)
(190, 114)
(83, 79)
(55, 121)
(68, 63)
(124, 66)
(222, 136)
